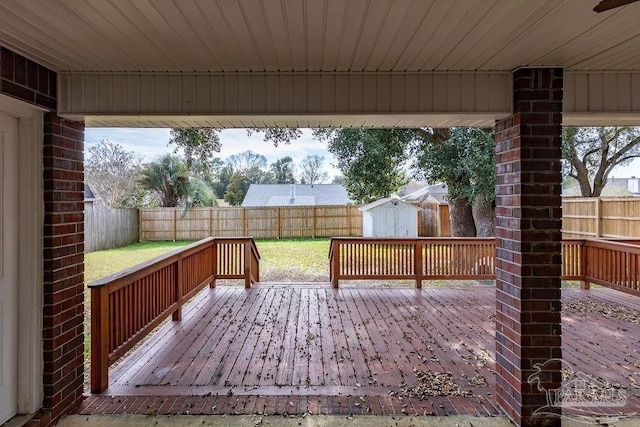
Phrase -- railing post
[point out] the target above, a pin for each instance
(584, 284)
(214, 267)
(177, 315)
(99, 339)
(257, 264)
(335, 263)
(417, 263)
(247, 264)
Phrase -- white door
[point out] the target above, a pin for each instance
(389, 221)
(8, 267)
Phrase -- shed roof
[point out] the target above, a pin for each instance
(305, 195)
(386, 200)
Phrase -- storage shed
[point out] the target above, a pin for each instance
(434, 210)
(389, 217)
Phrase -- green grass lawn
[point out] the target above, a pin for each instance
(103, 263)
(294, 260)
(289, 260)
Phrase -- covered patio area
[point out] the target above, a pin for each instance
(311, 348)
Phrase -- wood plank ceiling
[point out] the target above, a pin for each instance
(335, 36)
(321, 35)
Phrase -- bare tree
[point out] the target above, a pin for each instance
(312, 170)
(113, 173)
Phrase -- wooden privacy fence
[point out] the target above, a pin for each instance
(126, 306)
(106, 228)
(261, 223)
(614, 264)
(604, 217)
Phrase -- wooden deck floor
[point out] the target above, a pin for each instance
(310, 348)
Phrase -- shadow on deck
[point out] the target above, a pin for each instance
(296, 349)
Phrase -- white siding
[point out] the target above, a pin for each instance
(256, 99)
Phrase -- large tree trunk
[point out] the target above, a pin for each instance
(462, 223)
(484, 215)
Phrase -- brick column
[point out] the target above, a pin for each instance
(63, 246)
(528, 244)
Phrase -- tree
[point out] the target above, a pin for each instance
(237, 189)
(282, 171)
(112, 173)
(338, 179)
(278, 135)
(198, 144)
(311, 170)
(463, 158)
(221, 180)
(171, 183)
(246, 161)
(371, 160)
(590, 154)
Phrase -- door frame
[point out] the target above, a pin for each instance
(30, 261)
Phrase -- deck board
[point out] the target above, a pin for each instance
(296, 348)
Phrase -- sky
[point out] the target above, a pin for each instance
(153, 143)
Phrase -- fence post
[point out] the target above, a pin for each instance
(177, 315)
(247, 264)
(279, 232)
(417, 263)
(598, 217)
(99, 339)
(175, 224)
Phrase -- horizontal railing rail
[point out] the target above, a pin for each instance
(126, 306)
(611, 263)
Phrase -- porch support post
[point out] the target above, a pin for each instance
(528, 245)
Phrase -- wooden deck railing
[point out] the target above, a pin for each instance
(126, 306)
(411, 259)
(614, 264)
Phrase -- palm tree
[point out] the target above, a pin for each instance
(172, 184)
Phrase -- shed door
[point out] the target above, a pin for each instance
(395, 222)
(8, 267)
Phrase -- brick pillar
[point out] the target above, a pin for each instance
(63, 247)
(528, 244)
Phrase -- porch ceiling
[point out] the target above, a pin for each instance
(353, 40)
(321, 35)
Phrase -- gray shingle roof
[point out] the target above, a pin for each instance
(437, 191)
(305, 195)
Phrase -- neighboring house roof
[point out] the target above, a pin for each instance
(411, 187)
(437, 191)
(295, 195)
(380, 202)
(615, 187)
(88, 194)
